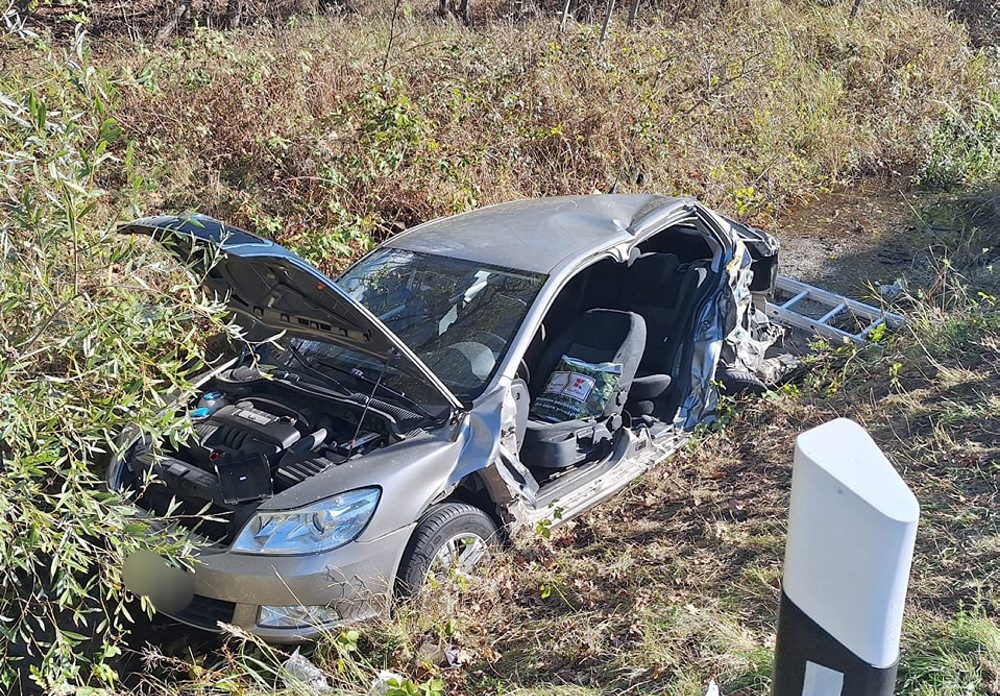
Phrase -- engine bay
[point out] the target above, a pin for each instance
(253, 436)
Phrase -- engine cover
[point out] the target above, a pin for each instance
(276, 430)
(243, 428)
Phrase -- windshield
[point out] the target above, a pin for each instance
(459, 317)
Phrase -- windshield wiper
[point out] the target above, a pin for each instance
(304, 362)
(378, 384)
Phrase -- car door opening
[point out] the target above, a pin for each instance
(661, 284)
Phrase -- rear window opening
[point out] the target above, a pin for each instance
(684, 240)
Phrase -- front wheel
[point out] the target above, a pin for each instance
(735, 382)
(450, 537)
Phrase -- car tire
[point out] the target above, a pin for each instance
(437, 527)
(742, 382)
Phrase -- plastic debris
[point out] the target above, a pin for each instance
(457, 657)
(713, 688)
(385, 681)
(431, 652)
(892, 291)
(301, 674)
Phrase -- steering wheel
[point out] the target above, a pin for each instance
(495, 343)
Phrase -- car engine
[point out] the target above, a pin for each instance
(252, 438)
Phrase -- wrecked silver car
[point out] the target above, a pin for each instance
(467, 379)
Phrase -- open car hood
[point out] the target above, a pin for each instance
(277, 289)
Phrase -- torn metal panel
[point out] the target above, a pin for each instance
(702, 397)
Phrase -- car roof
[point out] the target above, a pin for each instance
(538, 235)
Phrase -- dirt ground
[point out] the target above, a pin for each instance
(885, 230)
(856, 237)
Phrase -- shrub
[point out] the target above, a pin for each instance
(325, 138)
(93, 331)
(965, 148)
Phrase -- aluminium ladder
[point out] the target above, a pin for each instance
(865, 315)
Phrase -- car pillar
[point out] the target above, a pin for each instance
(851, 530)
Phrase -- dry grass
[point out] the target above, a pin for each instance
(324, 137)
(317, 135)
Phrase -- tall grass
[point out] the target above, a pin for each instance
(327, 138)
(93, 336)
(319, 135)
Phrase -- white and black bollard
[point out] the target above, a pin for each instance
(852, 524)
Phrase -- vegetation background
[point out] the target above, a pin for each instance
(329, 127)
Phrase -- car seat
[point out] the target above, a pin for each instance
(597, 336)
(662, 291)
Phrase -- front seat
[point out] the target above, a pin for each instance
(597, 336)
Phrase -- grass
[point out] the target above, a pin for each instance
(675, 581)
(313, 133)
(954, 656)
(966, 148)
(324, 137)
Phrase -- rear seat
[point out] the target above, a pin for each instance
(661, 290)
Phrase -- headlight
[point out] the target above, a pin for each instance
(321, 526)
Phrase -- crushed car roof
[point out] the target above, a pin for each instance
(535, 235)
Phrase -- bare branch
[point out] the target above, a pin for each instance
(607, 20)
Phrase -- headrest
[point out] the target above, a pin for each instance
(654, 267)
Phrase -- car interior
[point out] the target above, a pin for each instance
(637, 314)
(596, 336)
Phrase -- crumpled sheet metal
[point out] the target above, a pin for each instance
(703, 396)
(728, 330)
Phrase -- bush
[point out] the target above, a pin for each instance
(965, 148)
(322, 136)
(94, 331)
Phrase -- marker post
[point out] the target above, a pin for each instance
(851, 529)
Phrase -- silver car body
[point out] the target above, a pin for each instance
(476, 449)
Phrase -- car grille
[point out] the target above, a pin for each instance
(206, 612)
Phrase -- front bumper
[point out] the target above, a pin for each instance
(355, 581)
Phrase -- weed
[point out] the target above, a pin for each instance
(93, 339)
(313, 134)
(965, 148)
